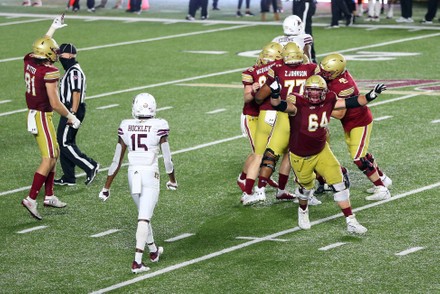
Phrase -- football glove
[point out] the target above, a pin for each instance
(104, 194)
(275, 89)
(172, 186)
(58, 22)
(379, 88)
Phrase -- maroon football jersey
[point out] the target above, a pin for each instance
(291, 78)
(346, 87)
(257, 74)
(308, 132)
(36, 76)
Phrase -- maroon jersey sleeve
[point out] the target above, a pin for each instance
(36, 75)
(346, 87)
(308, 132)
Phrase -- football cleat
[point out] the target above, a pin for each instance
(32, 208)
(247, 199)
(319, 190)
(260, 193)
(53, 201)
(303, 219)
(241, 183)
(380, 193)
(137, 268)
(353, 226)
(62, 182)
(385, 180)
(91, 177)
(313, 200)
(154, 256)
(284, 195)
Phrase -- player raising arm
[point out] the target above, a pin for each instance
(308, 147)
(143, 136)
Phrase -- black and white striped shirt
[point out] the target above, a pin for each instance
(74, 80)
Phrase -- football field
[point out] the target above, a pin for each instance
(212, 243)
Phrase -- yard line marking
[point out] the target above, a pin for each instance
(410, 250)
(216, 111)
(13, 112)
(108, 106)
(436, 121)
(392, 100)
(206, 52)
(4, 101)
(382, 118)
(21, 22)
(164, 108)
(331, 246)
(183, 236)
(254, 238)
(255, 241)
(105, 233)
(125, 164)
(31, 229)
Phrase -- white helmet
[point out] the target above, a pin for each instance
(144, 105)
(293, 25)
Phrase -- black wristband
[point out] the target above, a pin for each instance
(352, 102)
(281, 107)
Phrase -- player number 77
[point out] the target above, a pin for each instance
(291, 84)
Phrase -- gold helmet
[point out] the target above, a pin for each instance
(45, 48)
(332, 66)
(271, 52)
(292, 54)
(315, 89)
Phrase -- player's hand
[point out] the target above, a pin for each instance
(76, 123)
(275, 89)
(172, 186)
(58, 22)
(104, 194)
(379, 88)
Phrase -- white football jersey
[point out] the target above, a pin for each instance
(300, 40)
(142, 137)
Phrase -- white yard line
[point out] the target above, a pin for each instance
(31, 229)
(331, 246)
(180, 237)
(436, 121)
(216, 111)
(382, 118)
(253, 238)
(107, 106)
(255, 241)
(105, 233)
(410, 250)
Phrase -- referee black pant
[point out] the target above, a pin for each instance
(70, 154)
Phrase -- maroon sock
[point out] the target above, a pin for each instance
(282, 181)
(379, 171)
(262, 182)
(347, 211)
(303, 206)
(378, 182)
(243, 176)
(48, 184)
(37, 183)
(249, 185)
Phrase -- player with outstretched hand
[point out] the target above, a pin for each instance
(143, 136)
(41, 80)
(308, 147)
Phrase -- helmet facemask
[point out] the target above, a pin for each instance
(315, 89)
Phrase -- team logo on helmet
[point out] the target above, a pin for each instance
(293, 26)
(271, 52)
(45, 48)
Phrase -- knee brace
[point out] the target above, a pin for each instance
(303, 194)
(341, 192)
(366, 166)
(269, 159)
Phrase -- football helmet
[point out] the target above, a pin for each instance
(45, 48)
(271, 52)
(332, 66)
(293, 25)
(315, 89)
(144, 106)
(292, 54)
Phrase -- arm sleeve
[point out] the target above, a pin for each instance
(166, 153)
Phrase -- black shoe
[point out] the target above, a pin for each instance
(215, 8)
(63, 182)
(320, 190)
(92, 175)
(239, 14)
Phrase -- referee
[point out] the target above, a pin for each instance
(72, 95)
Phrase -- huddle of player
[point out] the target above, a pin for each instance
(288, 103)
